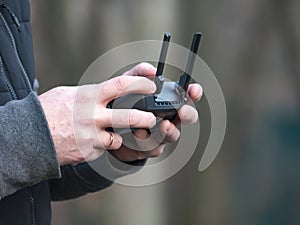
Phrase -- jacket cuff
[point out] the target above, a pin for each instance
(27, 151)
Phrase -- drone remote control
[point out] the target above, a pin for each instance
(169, 95)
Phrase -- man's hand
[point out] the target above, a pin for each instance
(186, 115)
(74, 138)
(73, 134)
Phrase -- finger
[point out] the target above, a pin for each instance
(195, 92)
(169, 131)
(154, 153)
(123, 85)
(124, 118)
(146, 141)
(141, 134)
(126, 154)
(143, 69)
(188, 114)
(108, 140)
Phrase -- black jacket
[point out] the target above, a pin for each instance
(30, 205)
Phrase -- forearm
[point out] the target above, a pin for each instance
(27, 153)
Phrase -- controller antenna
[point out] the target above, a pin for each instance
(159, 79)
(186, 76)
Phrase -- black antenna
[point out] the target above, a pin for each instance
(186, 76)
(159, 80)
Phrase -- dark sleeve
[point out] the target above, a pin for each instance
(27, 154)
(77, 181)
(90, 177)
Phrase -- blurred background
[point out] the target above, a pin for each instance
(253, 47)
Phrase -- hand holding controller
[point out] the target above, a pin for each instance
(58, 106)
(169, 97)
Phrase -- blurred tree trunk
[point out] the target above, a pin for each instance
(253, 49)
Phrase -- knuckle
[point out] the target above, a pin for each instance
(186, 113)
(106, 141)
(117, 141)
(138, 68)
(133, 117)
(81, 157)
(158, 152)
(118, 83)
(139, 155)
(166, 126)
(142, 66)
(102, 117)
(98, 120)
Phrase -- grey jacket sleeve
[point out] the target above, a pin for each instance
(27, 154)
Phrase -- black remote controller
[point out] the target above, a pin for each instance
(169, 95)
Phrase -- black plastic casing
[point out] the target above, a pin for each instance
(163, 105)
